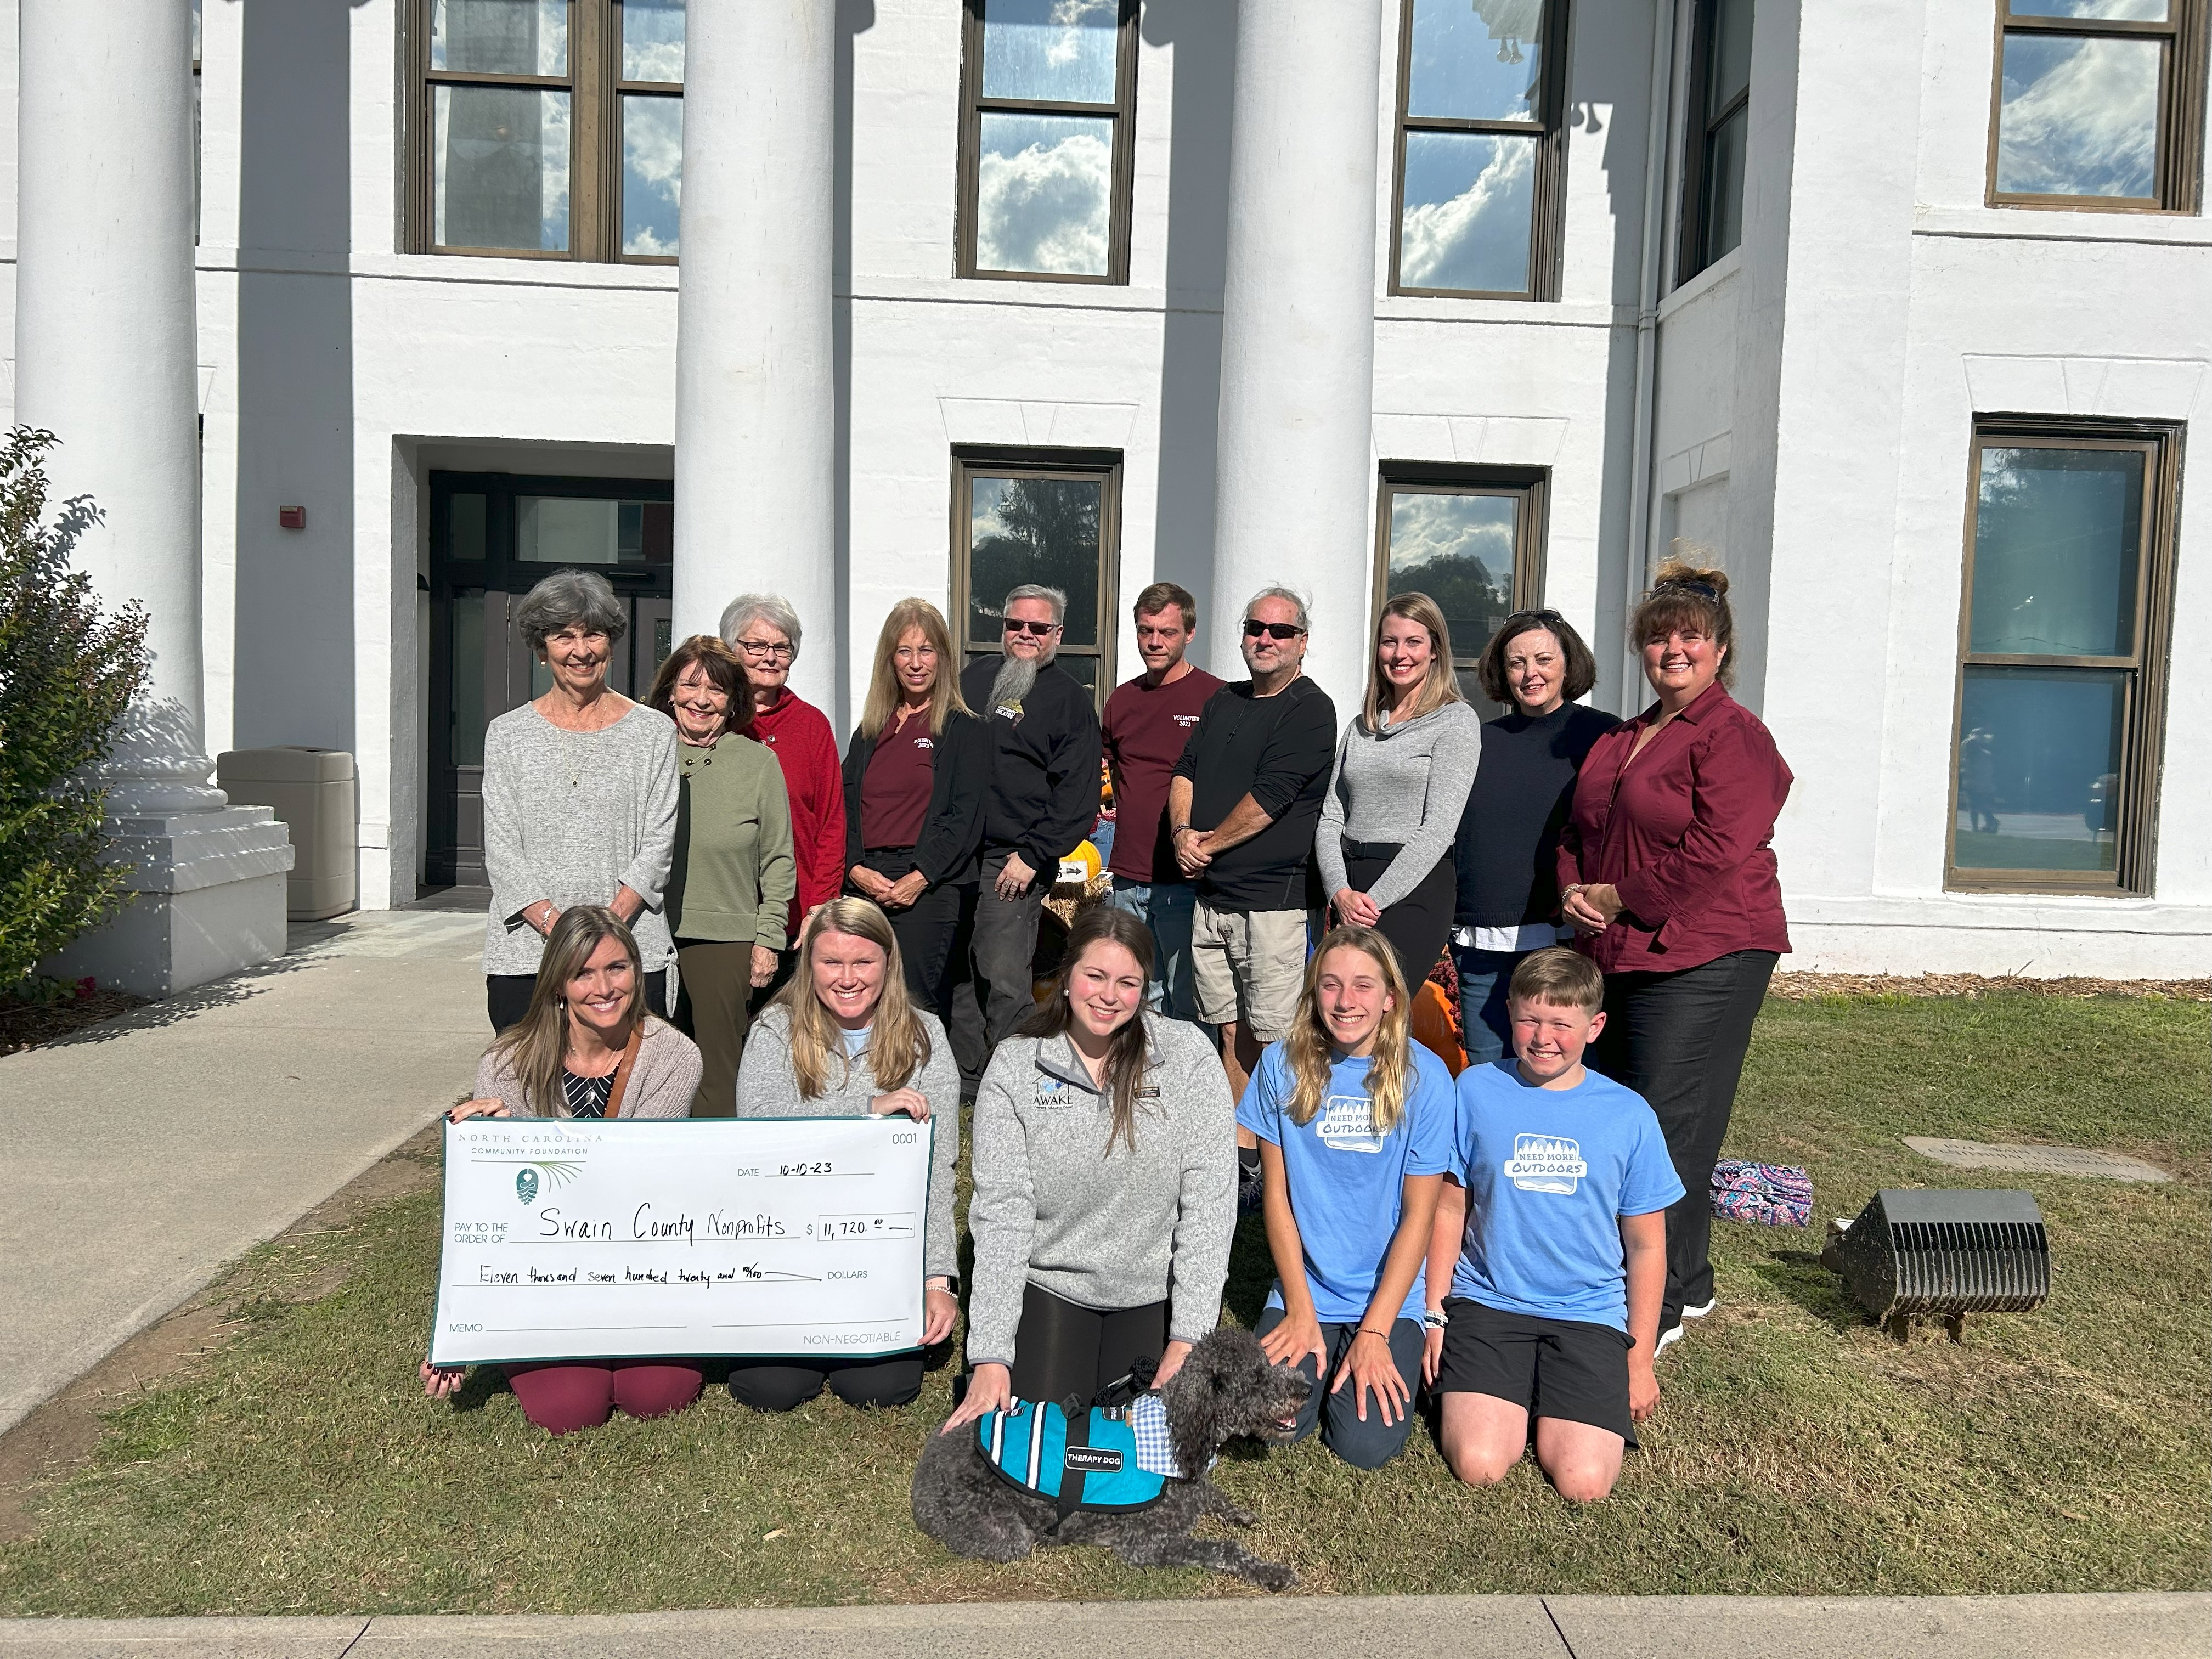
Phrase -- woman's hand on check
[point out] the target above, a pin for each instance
(477, 1109)
(940, 1308)
(440, 1381)
(912, 1102)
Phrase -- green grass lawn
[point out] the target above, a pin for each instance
(1798, 1449)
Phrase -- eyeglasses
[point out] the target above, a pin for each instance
(764, 649)
(1035, 629)
(1253, 627)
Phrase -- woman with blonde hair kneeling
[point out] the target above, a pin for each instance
(843, 1038)
(1105, 1184)
(1356, 1122)
(586, 1047)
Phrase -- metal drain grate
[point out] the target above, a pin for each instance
(2035, 1160)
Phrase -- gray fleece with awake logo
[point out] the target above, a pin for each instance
(1104, 1230)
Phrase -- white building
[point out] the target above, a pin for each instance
(1900, 309)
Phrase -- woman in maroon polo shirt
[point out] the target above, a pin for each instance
(1667, 873)
(916, 773)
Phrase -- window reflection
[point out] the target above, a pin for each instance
(652, 173)
(1459, 551)
(1044, 194)
(1059, 51)
(653, 40)
(1476, 62)
(500, 168)
(500, 37)
(2078, 116)
(2038, 769)
(1033, 530)
(566, 530)
(1468, 213)
(2057, 534)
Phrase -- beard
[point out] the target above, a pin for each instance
(1015, 677)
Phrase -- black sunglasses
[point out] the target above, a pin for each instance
(1546, 617)
(1253, 627)
(1042, 630)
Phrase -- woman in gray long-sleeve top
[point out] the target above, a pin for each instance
(579, 792)
(843, 1039)
(1105, 1185)
(1403, 771)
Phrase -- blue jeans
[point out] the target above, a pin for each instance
(1166, 908)
(1485, 1027)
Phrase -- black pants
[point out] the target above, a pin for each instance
(926, 931)
(992, 966)
(506, 996)
(713, 1003)
(1063, 1348)
(782, 1387)
(1418, 924)
(1678, 1040)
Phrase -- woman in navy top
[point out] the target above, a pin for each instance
(1509, 837)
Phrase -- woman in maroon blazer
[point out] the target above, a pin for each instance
(1666, 871)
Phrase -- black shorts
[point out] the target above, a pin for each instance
(1554, 1367)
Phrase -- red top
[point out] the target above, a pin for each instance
(799, 738)
(1683, 834)
(1142, 734)
(895, 789)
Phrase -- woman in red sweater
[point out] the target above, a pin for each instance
(1667, 873)
(764, 630)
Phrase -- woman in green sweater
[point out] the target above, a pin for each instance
(731, 886)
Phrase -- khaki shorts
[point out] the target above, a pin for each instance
(1249, 966)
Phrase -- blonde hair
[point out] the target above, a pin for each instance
(1308, 1047)
(535, 1046)
(898, 1042)
(884, 692)
(1441, 684)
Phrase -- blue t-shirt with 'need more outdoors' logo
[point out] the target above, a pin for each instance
(1347, 1183)
(1549, 1173)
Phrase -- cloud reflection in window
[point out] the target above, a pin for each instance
(1044, 194)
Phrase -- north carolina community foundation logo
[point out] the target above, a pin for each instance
(1545, 1163)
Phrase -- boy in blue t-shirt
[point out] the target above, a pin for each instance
(1355, 1122)
(1551, 1238)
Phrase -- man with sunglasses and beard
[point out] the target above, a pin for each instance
(1042, 802)
(1243, 807)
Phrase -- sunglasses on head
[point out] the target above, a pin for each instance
(1253, 627)
(1037, 629)
(1546, 617)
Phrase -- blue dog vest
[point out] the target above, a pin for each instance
(1086, 1461)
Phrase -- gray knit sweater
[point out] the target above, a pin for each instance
(769, 1087)
(1051, 1206)
(1408, 785)
(570, 816)
(661, 1083)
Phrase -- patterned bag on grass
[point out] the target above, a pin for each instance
(1769, 1194)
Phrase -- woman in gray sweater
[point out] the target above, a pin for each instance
(843, 1039)
(579, 790)
(1403, 771)
(1105, 1185)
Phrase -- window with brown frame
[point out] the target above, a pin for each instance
(2099, 104)
(1048, 100)
(1470, 539)
(547, 129)
(1717, 131)
(1052, 516)
(1481, 161)
(2063, 639)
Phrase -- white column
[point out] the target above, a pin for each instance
(1295, 462)
(106, 355)
(755, 381)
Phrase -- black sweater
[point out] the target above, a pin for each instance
(1043, 795)
(1279, 751)
(952, 835)
(1508, 835)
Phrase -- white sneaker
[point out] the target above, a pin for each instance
(1699, 1313)
(1672, 1334)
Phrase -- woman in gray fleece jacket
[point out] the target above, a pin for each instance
(1105, 1184)
(842, 1039)
(1394, 801)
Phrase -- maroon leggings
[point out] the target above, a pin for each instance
(561, 1398)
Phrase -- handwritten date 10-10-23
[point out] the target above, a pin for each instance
(821, 1167)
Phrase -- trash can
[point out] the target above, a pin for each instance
(313, 792)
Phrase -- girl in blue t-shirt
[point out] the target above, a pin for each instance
(1355, 1122)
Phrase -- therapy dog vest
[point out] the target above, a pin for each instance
(1083, 1459)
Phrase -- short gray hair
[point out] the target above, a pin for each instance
(1056, 597)
(1289, 596)
(771, 608)
(570, 598)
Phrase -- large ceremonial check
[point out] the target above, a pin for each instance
(577, 1239)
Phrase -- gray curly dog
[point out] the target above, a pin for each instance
(1225, 1389)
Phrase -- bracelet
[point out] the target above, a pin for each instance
(1573, 888)
(1175, 830)
(1434, 1319)
(1369, 1330)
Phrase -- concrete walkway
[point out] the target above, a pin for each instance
(141, 1154)
(2138, 1626)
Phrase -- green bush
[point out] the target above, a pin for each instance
(68, 670)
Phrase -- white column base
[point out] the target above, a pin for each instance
(207, 901)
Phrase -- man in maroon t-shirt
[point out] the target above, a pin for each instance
(1147, 723)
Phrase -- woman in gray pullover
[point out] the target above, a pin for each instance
(1105, 1185)
(842, 1039)
(1403, 771)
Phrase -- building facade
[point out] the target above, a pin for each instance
(1897, 311)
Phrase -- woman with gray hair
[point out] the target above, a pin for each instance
(764, 630)
(580, 794)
